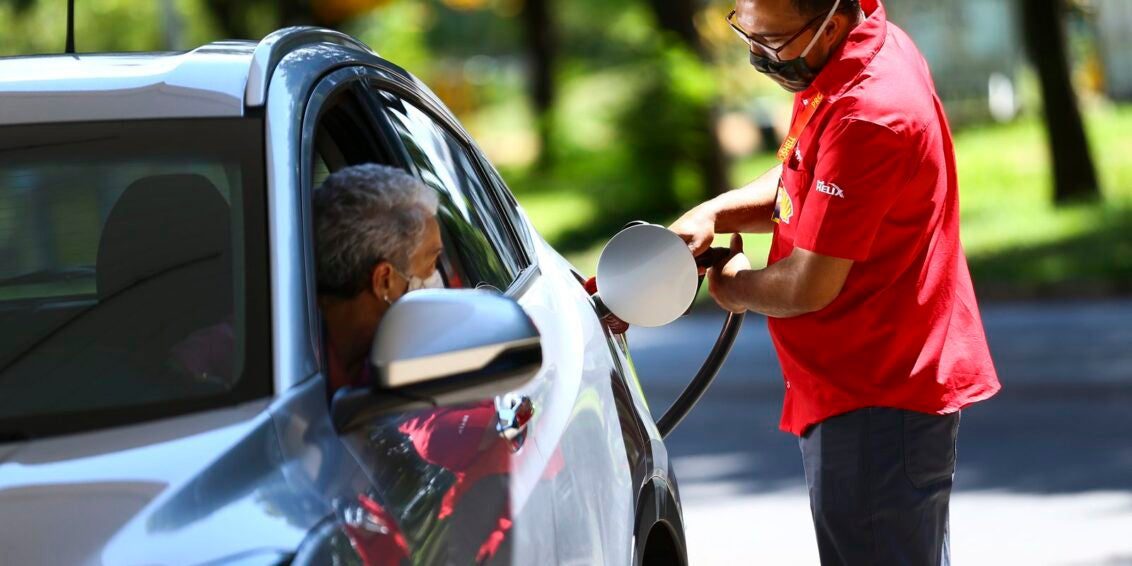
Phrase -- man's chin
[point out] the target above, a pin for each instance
(787, 85)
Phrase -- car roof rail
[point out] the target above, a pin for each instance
(276, 45)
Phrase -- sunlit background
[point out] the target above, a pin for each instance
(598, 112)
(603, 111)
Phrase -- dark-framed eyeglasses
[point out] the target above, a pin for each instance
(752, 42)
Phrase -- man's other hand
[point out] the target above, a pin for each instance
(697, 228)
(723, 283)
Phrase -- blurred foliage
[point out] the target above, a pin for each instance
(662, 131)
(632, 109)
(40, 27)
(1018, 243)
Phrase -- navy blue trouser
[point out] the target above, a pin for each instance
(880, 481)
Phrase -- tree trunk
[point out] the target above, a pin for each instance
(299, 13)
(1074, 175)
(676, 16)
(541, 45)
(231, 16)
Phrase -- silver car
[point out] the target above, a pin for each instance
(162, 373)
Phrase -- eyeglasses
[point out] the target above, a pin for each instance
(752, 42)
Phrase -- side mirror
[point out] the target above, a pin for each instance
(443, 347)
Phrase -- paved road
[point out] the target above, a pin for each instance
(1045, 468)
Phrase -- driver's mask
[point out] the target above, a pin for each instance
(433, 281)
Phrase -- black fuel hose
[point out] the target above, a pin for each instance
(708, 371)
(710, 368)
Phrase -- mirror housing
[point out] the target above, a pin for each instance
(439, 347)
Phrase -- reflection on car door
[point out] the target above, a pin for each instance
(578, 465)
(437, 486)
(505, 473)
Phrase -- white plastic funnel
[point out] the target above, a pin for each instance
(647, 276)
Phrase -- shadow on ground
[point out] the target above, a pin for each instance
(1097, 263)
(1012, 445)
(1058, 426)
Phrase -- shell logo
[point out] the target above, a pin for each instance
(783, 206)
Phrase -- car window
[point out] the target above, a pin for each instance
(128, 252)
(345, 134)
(523, 246)
(477, 240)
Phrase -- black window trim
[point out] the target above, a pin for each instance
(324, 92)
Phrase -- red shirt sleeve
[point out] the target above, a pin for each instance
(861, 169)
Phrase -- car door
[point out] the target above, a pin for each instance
(640, 444)
(579, 465)
(440, 480)
(506, 475)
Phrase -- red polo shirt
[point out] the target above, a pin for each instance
(873, 180)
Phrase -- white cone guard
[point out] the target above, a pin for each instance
(647, 276)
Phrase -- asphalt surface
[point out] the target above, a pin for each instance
(1044, 468)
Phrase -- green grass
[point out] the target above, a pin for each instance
(1019, 244)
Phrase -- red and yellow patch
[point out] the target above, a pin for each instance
(783, 206)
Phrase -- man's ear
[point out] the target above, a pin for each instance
(382, 281)
(839, 25)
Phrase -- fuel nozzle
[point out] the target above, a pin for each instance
(610, 320)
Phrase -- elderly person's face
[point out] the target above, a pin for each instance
(376, 239)
(391, 283)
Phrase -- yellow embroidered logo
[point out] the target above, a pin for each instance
(783, 206)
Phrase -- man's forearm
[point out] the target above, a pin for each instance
(748, 209)
(772, 292)
(800, 284)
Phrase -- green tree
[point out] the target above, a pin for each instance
(676, 17)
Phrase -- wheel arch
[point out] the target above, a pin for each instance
(659, 526)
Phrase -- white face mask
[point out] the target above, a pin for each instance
(433, 281)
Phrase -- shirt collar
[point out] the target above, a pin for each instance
(854, 54)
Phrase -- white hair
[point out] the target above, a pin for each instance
(365, 214)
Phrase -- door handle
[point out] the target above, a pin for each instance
(513, 412)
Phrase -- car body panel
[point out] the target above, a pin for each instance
(208, 81)
(159, 492)
(594, 490)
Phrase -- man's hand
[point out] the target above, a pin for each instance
(697, 228)
(723, 283)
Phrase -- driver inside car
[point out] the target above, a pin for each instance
(376, 239)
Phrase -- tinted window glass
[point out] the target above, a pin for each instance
(473, 234)
(344, 134)
(127, 250)
(522, 249)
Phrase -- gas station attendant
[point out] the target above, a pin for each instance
(868, 296)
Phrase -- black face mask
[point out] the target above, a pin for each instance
(793, 75)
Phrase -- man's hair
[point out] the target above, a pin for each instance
(365, 214)
(812, 8)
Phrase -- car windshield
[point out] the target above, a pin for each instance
(132, 271)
